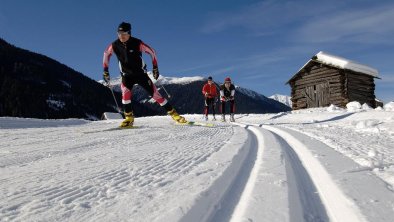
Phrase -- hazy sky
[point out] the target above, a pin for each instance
(260, 44)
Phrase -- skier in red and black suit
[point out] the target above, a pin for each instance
(129, 50)
(210, 94)
(227, 92)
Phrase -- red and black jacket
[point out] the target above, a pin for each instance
(209, 90)
(129, 55)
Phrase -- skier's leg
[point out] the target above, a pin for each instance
(214, 108)
(206, 108)
(146, 83)
(223, 109)
(232, 109)
(126, 87)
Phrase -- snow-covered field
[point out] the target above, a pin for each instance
(310, 165)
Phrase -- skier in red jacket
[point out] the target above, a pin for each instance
(129, 50)
(210, 94)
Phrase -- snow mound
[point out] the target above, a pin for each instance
(334, 108)
(353, 106)
(389, 106)
(366, 107)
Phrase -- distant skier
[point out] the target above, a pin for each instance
(227, 92)
(129, 50)
(210, 93)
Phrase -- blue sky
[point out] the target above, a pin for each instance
(259, 44)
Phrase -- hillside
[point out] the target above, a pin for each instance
(33, 85)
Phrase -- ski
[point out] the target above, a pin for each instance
(193, 123)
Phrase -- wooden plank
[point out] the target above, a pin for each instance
(317, 80)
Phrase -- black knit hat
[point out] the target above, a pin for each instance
(124, 27)
(210, 78)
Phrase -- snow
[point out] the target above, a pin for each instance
(343, 63)
(55, 104)
(111, 116)
(177, 80)
(320, 164)
(389, 106)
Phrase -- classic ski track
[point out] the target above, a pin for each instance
(338, 206)
(159, 167)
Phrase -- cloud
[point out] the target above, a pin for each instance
(265, 17)
(310, 21)
(368, 25)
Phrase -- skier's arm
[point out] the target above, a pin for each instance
(232, 92)
(107, 55)
(222, 97)
(204, 90)
(147, 49)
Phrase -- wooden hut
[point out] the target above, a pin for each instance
(327, 79)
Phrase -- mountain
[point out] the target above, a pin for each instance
(186, 97)
(283, 99)
(36, 86)
(33, 85)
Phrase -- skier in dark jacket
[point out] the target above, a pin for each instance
(227, 92)
(129, 50)
(210, 95)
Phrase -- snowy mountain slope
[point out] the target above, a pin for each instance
(283, 99)
(307, 165)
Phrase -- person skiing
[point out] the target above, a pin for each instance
(129, 50)
(227, 92)
(210, 94)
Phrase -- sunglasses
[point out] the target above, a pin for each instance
(123, 33)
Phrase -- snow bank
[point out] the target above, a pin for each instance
(334, 108)
(389, 106)
(353, 106)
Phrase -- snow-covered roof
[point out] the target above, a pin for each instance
(342, 63)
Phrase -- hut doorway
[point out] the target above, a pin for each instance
(317, 95)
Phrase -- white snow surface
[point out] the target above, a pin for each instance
(345, 63)
(322, 164)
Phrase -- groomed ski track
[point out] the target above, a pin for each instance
(282, 179)
(239, 172)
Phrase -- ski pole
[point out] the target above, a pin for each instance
(113, 95)
(169, 96)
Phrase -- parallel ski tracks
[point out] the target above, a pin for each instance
(312, 195)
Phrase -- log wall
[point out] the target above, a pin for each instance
(360, 87)
(317, 85)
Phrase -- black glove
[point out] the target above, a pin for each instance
(231, 97)
(155, 72)
(106, 77)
